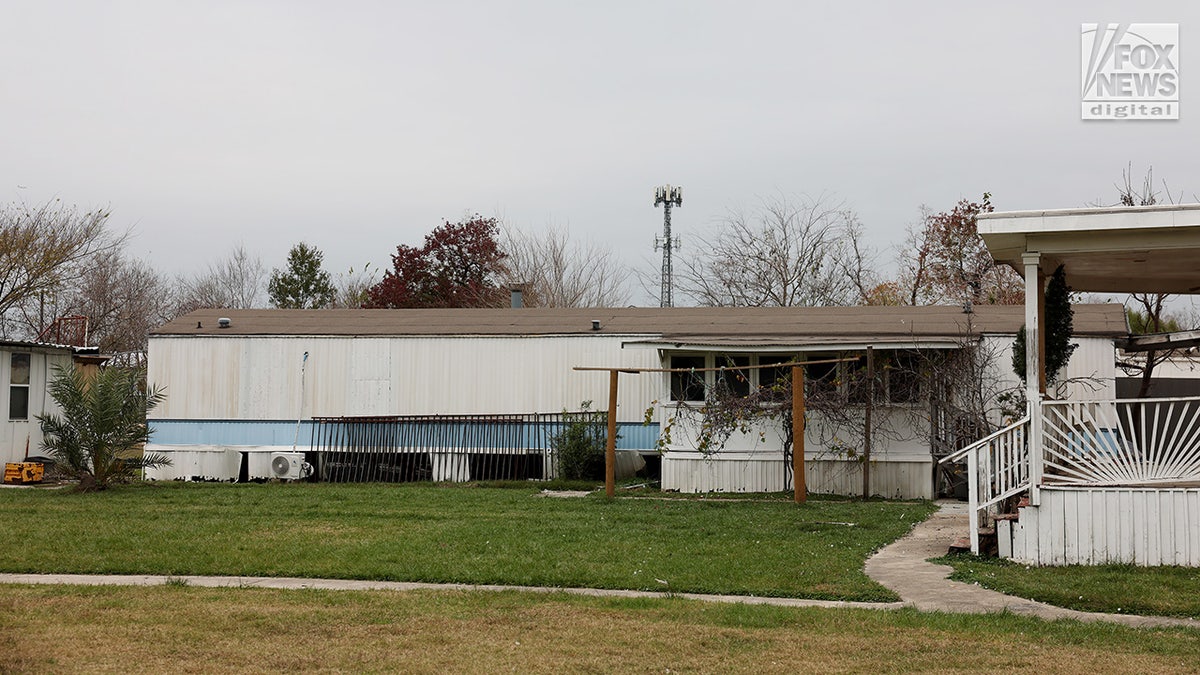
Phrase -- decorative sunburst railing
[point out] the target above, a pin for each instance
(1129, 442)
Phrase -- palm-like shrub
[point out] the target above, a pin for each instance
(101, 430)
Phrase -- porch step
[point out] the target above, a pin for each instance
(987, 543)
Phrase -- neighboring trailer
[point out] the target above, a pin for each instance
(26, 368)
(243, 391)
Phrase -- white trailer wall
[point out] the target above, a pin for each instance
(753, 461)
(1090, 374)
(259, 378)
(16, 435)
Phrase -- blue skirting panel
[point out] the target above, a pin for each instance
(631, 435)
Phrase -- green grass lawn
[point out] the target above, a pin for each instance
(455, 534)
(187, 629)
(1118, 589)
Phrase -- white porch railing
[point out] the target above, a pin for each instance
(1129, 442)
(997, 468)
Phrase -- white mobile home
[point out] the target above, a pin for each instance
(26, 369)
(245, 385)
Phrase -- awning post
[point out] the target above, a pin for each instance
(1034, 369)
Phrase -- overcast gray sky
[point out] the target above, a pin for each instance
(357, 126)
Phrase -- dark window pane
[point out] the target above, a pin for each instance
(736, 381)
(770, 377)
(904, 381)
(858, 385)
(18, 403)
(20, 369)
(687, 386)
(821, 378)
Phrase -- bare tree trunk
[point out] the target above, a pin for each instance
(1147, 375)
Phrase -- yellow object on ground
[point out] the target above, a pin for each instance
(23, 472)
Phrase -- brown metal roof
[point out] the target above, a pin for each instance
(703, 325)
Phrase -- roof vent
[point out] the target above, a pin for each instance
(595, 324)
(224, 322)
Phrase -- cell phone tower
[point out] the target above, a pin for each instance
(667, 196)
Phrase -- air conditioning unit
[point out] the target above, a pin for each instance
(289, 466)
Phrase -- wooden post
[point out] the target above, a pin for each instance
(610, 447)
(799, 486)
(866, 458)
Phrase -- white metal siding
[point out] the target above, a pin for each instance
(16, 435)
(259, 377)
(905, 437)
(905, 479)
(767, 472)
(1090, 372)
(1140, 526)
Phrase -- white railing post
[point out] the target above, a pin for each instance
(996, 476)
(1033, 393)
(973, 498)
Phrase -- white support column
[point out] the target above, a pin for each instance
(1033, 394)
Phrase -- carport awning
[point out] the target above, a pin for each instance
(1135, 249)
(1161, 341)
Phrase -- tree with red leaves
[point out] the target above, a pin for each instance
(956, 265)
(458, 266)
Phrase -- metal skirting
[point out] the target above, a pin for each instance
(769, 472)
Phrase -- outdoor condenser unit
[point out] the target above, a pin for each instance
(289, 466)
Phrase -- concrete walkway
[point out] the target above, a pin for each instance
(903, 567)
(364, 585)
(900, 566)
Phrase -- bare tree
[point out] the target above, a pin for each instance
(42, 249)
(913, 284)
(123, 299)
(237, 282)
(860, 265)
(351, 288)
(1148, 310)
(784, 253)
(554, 271)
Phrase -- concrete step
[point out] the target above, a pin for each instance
(987, 543)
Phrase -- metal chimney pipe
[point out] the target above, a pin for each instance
(517, 301)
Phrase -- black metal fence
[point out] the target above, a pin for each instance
(396, 449)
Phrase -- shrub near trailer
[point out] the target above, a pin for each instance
(580, 445)
(99, 435)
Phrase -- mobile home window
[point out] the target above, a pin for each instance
(780, 375)
(687, 386)
(904, 381)
(821, 378)
(18, 389)
(734, 378)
